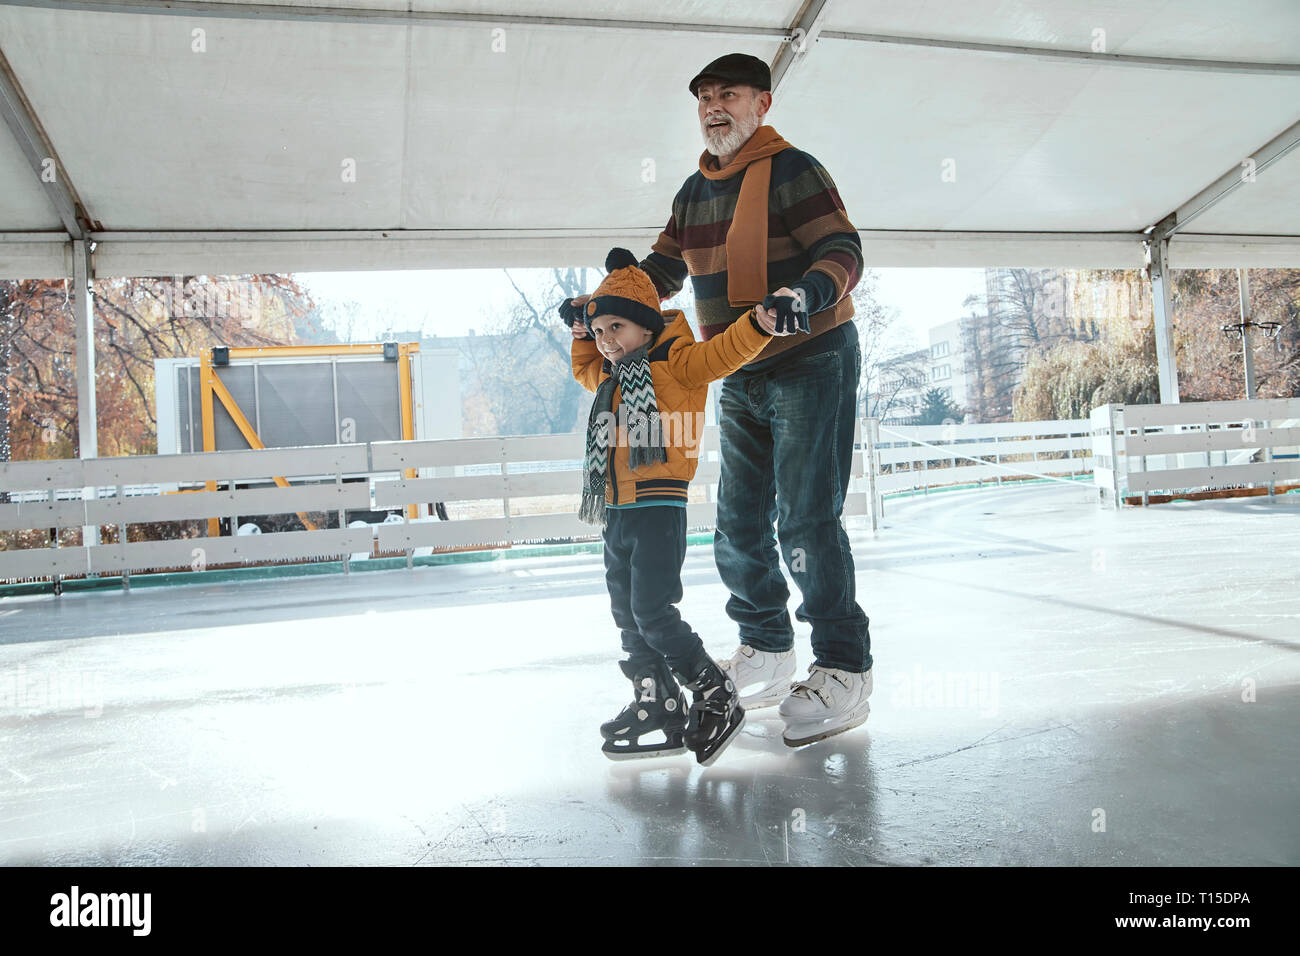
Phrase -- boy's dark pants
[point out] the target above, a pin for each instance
(644, 551)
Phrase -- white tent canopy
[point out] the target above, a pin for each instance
(219, 137)
(165, 137)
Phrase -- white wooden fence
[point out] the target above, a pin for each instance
(129, 490)
(919, 457)
(536, 480)
(1140, 449)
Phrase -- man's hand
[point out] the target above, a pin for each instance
(787, 311)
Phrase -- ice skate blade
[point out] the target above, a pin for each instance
(724, 743)
(796, 741)
(643, 754)
(768, 698)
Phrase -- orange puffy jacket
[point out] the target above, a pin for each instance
(681, 370)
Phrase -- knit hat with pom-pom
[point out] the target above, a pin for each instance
(626, 292)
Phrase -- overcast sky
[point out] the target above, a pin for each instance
(449, 302)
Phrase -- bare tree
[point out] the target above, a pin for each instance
(521, 372)
(890, 360)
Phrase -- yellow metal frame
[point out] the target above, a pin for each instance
(404, 352)
(210, 385)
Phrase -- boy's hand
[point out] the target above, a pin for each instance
(579, 330)
(766, 321)
(572, 310)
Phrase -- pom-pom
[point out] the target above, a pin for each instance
(619, 259)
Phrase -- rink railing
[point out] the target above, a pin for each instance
(1190, 446)
(512, 491)
(921, 457)
(533, 482)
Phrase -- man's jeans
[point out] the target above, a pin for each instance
(787, 447)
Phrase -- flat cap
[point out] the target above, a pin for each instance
(735, 68)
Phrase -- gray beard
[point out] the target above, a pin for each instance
(735, 138)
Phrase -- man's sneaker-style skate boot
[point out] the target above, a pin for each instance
(825, 703)
(658, 705)
(716, 715)
(763, 678)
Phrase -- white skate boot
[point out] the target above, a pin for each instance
(825, 703)
(762, 677)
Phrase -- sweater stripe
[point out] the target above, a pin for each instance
(808, 230)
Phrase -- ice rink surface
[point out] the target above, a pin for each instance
(1055, 683)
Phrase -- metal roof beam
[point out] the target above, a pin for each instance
(1159, 269)
(1242, 174)
(268, 12)
(1053, 53)
(282, 12)
(807, 25)
(18, 115)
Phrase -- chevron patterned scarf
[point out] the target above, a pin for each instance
(640, 414)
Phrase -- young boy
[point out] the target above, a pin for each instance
(651, 382)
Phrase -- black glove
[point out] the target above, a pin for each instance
(570, 313)
(788, 317)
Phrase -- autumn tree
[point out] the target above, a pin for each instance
(136, 321)
(1210, 365)
(1073, 378)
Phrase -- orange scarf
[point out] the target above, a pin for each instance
(747, 237)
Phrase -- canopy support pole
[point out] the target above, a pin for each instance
(83, 313)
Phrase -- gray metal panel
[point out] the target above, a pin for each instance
(1197, 413)
(1220, 439)
(41, 562)
(238, 380)
(428, 454)
(187, 405)
(166, 404)
(437, 396)
(442, 534)
(22, 515)
(370, 395)
(42, 475)
(297, 404)
(539, 527)
(1258, 472)
(221, 504)
(203, 552)
(392, 494)
(224, 465)
(566, 447)
(544, 483)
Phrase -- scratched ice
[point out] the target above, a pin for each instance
(1055, 684)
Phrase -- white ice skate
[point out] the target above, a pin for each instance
(825, 703)
(762, 677)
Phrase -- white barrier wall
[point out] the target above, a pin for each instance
(919, 457)
(128, 490)
(1140, 449)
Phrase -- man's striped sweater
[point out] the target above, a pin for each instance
(811, 245)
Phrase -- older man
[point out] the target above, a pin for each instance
(761, 225)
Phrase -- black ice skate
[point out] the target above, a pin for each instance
(658, 705)
(716, 715)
